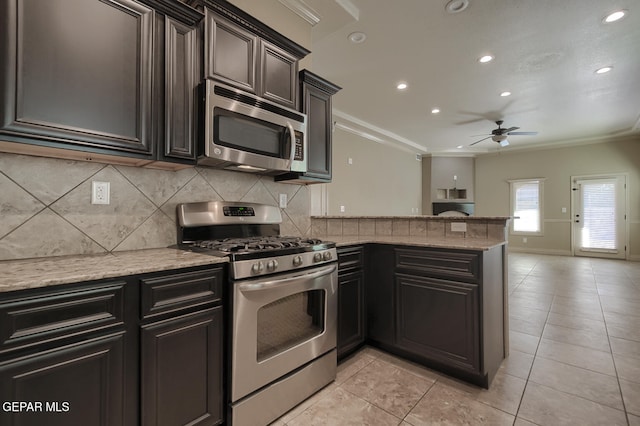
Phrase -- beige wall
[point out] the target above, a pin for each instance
(557, 166)
(381, 181)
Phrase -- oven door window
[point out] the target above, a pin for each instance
(289, 321)
(249, 134)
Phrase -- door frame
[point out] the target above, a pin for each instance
(626, 211)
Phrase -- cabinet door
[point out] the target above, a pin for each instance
(181, 370)
(278, 75)
(230, 53)
(77, 74)
(350, 312)
(438, 320)
(317, 106)
(380, 300)
(181, 79)
(80, 384)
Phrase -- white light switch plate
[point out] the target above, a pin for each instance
(458, 226)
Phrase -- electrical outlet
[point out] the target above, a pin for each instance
(342, 209)
(349, 160)
(524, 240)
(100, 192)
(283, 201)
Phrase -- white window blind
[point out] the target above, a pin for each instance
(599, 210)
(526, 202)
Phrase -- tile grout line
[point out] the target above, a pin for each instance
(615, 368)
(534, 357)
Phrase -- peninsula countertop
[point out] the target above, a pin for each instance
(445, 243)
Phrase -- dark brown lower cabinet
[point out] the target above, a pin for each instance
(76, 384)
(443, 308)
(438, 319)
(351, 301)
(351, 327)
(181, 370)
(142, 349)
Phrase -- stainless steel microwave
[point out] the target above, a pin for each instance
(245, 132)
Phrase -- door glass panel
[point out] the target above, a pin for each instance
(289, 321)
(599, 215)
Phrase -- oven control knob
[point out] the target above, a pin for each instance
(317, 257)
(272, 265)
(257, 268)
(326, 255)
(297, 261)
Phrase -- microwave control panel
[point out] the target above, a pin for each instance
(299, 153)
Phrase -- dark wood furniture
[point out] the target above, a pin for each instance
(241, 51)
(351, 303)
(316, 103)
(127, 351)
(440, 307)
(87, 80)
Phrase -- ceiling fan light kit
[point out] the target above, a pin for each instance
(500, 134)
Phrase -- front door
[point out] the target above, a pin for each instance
(599, 216)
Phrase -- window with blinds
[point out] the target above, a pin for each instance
(526, 206)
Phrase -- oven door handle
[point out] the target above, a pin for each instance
(281, 282)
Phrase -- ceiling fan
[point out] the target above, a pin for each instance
(500, 135)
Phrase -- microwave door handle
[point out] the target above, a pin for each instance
(292, 134)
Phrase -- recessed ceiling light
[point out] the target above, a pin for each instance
(615, 16)
(603, 70)
(435, 110)
(402, 86)
(459, 147)
(486, 58)
(456, 6)
(503, 94)
(357, 37)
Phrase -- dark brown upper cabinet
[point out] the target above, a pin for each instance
(178, 66)
(241, 51)
(93, 79)
(230, 53)
(316, 103)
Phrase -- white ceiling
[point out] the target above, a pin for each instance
(546, 53)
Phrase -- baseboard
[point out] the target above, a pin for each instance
(513, 249)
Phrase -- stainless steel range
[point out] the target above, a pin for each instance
(283, 305)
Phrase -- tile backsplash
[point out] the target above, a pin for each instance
(46, 209)
(494, 229)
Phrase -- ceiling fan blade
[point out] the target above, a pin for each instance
(522, 133)
(482, 134)
(480, 140)
(510, 129)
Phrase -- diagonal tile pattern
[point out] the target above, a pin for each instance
(46, 209)
(574, 360)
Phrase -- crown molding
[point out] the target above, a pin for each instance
(303, 10)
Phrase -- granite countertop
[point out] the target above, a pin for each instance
(43, 272)
(446, 243)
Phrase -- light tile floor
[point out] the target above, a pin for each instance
(575, 360)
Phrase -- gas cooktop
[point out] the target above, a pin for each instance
(249, 235)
